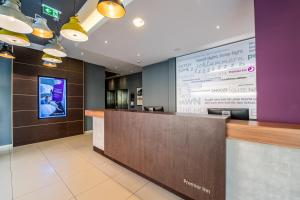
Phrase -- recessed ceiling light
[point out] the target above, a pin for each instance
(138, 55)
(82, 53)
(106, 42)
(218, 27)
(138, 22)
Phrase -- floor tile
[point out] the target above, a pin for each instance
(4, 161)
(152, 191)
(54, 192)
(69, 165)
(27, 181)
(84, 180)
(108, 190)
(64, 167)
(111, 169)
(133, 197)
(130, 180)
(5, 184)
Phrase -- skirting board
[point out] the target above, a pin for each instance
(88, 132)
(6, 147)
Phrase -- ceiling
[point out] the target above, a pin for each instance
(172, 28)
(32, 7)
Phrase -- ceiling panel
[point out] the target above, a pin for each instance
(172, 28)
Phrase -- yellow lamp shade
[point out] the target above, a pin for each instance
(52, 59)
(41, 29)
(111, 8)
(74, 31)
(13, 38)
(5, 52)
(49, 64)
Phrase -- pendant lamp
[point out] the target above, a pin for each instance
(54, 48)
(12, 19)
(74, 31)
(52, 59)
(13, 38)
(111, 8)
(6, 52)
(49, 64)
(40, 28)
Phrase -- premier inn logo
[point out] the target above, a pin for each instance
(197, 187)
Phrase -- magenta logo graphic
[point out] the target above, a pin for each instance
(251, 69)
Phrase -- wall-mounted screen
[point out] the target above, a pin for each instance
(221, 77)
(52, 97)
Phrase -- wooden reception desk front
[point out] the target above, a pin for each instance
(185, 153)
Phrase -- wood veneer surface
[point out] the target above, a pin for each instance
(170, 149)
(280, 134)
(27, 128)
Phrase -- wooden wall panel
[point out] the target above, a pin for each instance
(29, 102)
(32, 71)
(171, 149)
(27, 128)
(28, 118)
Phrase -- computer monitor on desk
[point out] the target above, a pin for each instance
(233, 113)
(153, 108)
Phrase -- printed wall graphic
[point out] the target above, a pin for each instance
(139, 97)
(222, 77)
(52, 97)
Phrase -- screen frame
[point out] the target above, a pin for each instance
(38, 98)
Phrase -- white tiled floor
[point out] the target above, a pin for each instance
(68, 169)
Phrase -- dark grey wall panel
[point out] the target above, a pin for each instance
(134, 81)
(159, 85)
(172, 85)
(5, 101)
(130, 82)
(94, 90)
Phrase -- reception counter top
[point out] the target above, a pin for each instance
(261, 132)
(280, 134)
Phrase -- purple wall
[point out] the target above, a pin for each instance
(277, 26)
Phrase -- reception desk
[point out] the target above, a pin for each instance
(206, 157)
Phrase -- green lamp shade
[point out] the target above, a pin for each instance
(12, 19)
(41, 29)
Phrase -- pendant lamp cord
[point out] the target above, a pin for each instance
(74, 9)
(57, 25)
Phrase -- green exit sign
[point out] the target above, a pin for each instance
(48, 10)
